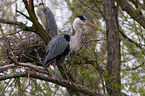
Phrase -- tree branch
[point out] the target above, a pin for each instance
(142, 6)
(130, 40)
(20, 24)
(132, 12)
(37, 62)
(99, 9)
(2, 92)
(88, 6)
(135, 68)
(3, 68)
(24, 15)
(58, 81)
(41, 31)
(72, 92)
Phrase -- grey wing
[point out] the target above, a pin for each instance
(41, 14)
(50, 20)
(56, 47)
(47, 18)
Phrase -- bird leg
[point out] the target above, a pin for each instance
(55, 66)
(65, 70)
(54, 60)
(49, 63)
(57, 75)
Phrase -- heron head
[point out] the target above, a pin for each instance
(82, 20)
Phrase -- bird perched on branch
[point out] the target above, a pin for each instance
(63, 44)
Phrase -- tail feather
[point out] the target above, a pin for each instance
(46, 61)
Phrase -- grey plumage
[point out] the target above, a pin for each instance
(58, 47)
(47, 18)
(51, 23)
(62, 44)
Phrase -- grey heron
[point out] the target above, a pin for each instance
(63, 44)
(47, 18)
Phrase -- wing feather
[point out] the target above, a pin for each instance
(56, 47)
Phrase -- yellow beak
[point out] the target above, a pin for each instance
(90, 23)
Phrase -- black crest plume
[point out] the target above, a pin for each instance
(82, 17)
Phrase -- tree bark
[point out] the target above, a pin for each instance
(113, 81)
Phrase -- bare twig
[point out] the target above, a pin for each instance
(37, 62)
(4, 88)
(132, 12)
(117, 91)
(3, 68)
(37, 68)
(135, 68)
(13, 55)
(15, 61)
(20, 24)
(99, 9)
(130, 40)
(24, 15)
(38, 55)
(87, 6)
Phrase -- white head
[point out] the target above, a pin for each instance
(77, 37)
(81, 20)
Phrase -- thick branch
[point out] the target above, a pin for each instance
(58, 81)
(72, 92)
(37, 68)
(138, 4)
(132, 12)
(20, 24)
(40, 28)
(3, 68)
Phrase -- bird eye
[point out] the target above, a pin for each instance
(84, 20)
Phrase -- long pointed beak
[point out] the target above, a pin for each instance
(90, 23)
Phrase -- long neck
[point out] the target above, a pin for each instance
(75, 40)
(78, 30)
